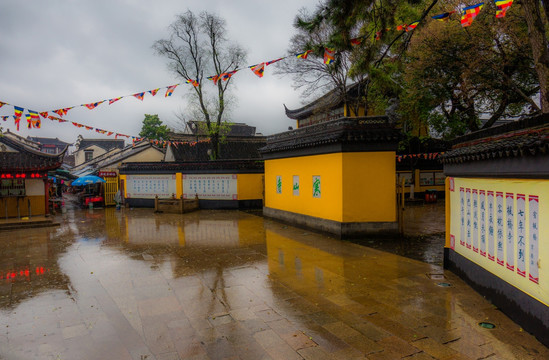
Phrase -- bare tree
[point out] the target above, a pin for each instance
(198, 47)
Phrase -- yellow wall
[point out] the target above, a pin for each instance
(37, 204)
(328, 166)
(250, 186)
(369, 187)
(178, 185)
(459, 232)
(355, 187)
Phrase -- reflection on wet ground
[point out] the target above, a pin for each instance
(424, 228)
(131, 284)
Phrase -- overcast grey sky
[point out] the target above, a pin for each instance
(56, 54)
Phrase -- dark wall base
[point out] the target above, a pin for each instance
(530, 314)
(149, 203)
(339, 229)
(205, 204)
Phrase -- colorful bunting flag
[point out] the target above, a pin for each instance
(214, 78)
(412, 26)
(18, 113)
(194, 82)
(329, 55)
(109, 133)
(258, 69)
(53, 118)
(88, 127)
(93, 105)
(170, 90)
(470, 13)
(273, 61)
(77, 124)
(402, 27)
(5, 118)
(154, 91)
(100, 131)
(34, 115)
(62, 112)
(2, 104)
(303, 55)
(502, 6)
(139, 96)
(443, 17)
(29, 121)
(226, 76)
(115, 100)
(44, 114)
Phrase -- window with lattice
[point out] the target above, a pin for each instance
(12, 187)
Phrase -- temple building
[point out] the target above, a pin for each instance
(496, 238)
(24, 176)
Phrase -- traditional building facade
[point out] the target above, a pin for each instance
(337, 176)
(49, 145)
(24, 176)
(89, 149)
(496, 218)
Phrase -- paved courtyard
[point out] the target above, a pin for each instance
(131, 284)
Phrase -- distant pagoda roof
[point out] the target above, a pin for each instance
(48, 141)
(20, 154)
(330, 100)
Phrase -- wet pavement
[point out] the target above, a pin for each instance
(131, 284)
(423, 240)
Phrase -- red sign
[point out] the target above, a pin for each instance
(23, 176)
(107, 174)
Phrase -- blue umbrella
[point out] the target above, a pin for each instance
(87, 180)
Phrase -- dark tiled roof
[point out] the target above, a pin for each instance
(27, 157)
(106, 144)
(48, 141)
(109, 158)
(217, 166)
(229, 150)
(236, 129)
(371, 129)
(326, 102)
(521, 138)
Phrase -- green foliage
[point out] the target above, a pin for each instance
(153, 129)
(445, 77)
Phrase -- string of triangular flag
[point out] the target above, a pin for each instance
(468, 14)
(135, 139)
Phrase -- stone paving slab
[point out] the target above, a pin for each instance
(135, 285)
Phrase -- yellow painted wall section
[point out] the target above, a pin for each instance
(328, 167)
(250, 186)
(178, 185)
(369, 187)
(508, 238)
(37, 206)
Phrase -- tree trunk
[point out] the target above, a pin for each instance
(538, 41)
